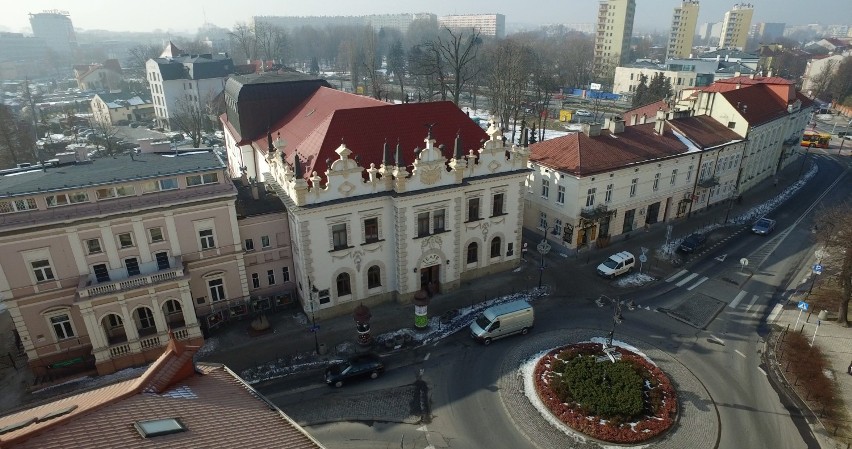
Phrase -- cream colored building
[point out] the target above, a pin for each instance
(103, 258)
(736, 26)
(599, 184)
(612, 38)
(683, 30)
(114, 107)
(627, 78)
(493, 25)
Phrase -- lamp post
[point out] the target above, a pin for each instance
(311, 290)
(843, 138)
(543, 248)
(805, 159)
(617, 318)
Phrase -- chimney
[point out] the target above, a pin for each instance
(633, 119)
(616, 126)
(769, 74)
(644, 119)
(660, 123)
(592, 129)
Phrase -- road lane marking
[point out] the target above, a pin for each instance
(737, 300)
(703, 280)
(740, 353)
(761, 370)
(751, 304)
(427, 356)
(687, 279)
(776, 311)
(717, 339)
(677, 275)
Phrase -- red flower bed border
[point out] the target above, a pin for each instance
(570, 414)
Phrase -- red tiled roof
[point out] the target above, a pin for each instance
(649, 111)
(704, 131)
(317, 127)
(216, 407)
(582, 155)
(757, 104)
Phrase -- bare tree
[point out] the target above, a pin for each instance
(246, 40)
(458, 53)
(507, 77)
(105, 136)
(138, 55)
(397, 65)
(14, 140)
(272, 41)
(835, 236)
(822, 80)
(194, 117)
(372, 61)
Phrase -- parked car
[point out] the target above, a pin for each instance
(692, 242)
(763, 226)
(362, 365)
(583, 113)
(122, 122)
(617, 264)
(134, 124)
(500, 321)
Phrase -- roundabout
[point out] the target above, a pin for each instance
(694, 424)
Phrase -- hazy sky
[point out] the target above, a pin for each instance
(188, 15)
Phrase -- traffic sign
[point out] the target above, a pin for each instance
(817, 268)
(314, 328)
(643, 258)
(744, 261)
(803, 305)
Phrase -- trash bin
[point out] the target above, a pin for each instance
(823, 314)
(322, 349)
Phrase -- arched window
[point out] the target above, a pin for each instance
(374, 277)
(495, 247)
(145, 321)
(343, 286)
(472, 253)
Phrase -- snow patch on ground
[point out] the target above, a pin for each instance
(210, 346)
(635, 280)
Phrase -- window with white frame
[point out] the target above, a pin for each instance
(255, 280)
(249, 245)
(545, 188)
(146, 318)
(557, 226)
(93, 246)
(438, 222)
(205, 237)
(264, 241)
(371, 230)
(633, 184)
(285, 274)
(689, 173)
(422, 224)
(590, 197)
(42, 270)
(656, 182)
(270, 277)
(497, 206)
(159, 185)
(19, 205)
(542, 220)
(125, 240)
(205, 178)
(132, 266)
(560, 194)
(374, 277)
(324, 296)
(674, 177)
(339, 238)
(162, 259)
(61, 325)
(473, 209)
(101, 272)
(217, 289)
(344, 287)
(115, 192)
(155, 235)
(64, 199)
(608, 194)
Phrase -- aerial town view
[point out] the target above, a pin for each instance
(446, 225)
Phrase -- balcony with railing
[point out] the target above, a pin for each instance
(124, 348)
(594, 212)
(708, 182)
(150, 273)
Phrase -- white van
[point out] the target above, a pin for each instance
(495, 322)
(617, 264)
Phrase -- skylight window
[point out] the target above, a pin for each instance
(159, 427)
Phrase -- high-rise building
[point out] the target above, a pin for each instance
(736, 26)
(768, 32)
(377, 21)
(614, 30)
(57, 31)
(683, 29)
(487, 24)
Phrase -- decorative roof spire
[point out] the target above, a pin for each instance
(269, 146)
(398, 158)
(458, 152)
(429, 127)
(386, 154)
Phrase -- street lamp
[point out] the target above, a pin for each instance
(617, 317)
(543, 248)
(311, 290)
(805, 159)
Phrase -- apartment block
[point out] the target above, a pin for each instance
(492, 25)
(683, 30)
(736, 26)
(612, 38)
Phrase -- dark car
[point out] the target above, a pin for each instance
(763, 226)
(692, 242)
(363, 365)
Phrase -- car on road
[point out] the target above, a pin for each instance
(359, 366)
(692, 242)
(763, 226)
(583, 113)
(617, 264)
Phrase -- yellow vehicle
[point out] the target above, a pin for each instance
(815, 139)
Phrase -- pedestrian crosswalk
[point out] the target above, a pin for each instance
(690, 281)
(686, 280)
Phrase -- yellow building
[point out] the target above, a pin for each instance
(614, 30)
(736, 26)
(683, 30)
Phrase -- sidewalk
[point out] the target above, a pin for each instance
(289, 341)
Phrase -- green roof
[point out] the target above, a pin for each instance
(108, 171)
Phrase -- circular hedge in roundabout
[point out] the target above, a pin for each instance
(628, 401)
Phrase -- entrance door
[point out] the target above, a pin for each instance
(628, 221)
(430, 279)
(653, 213)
